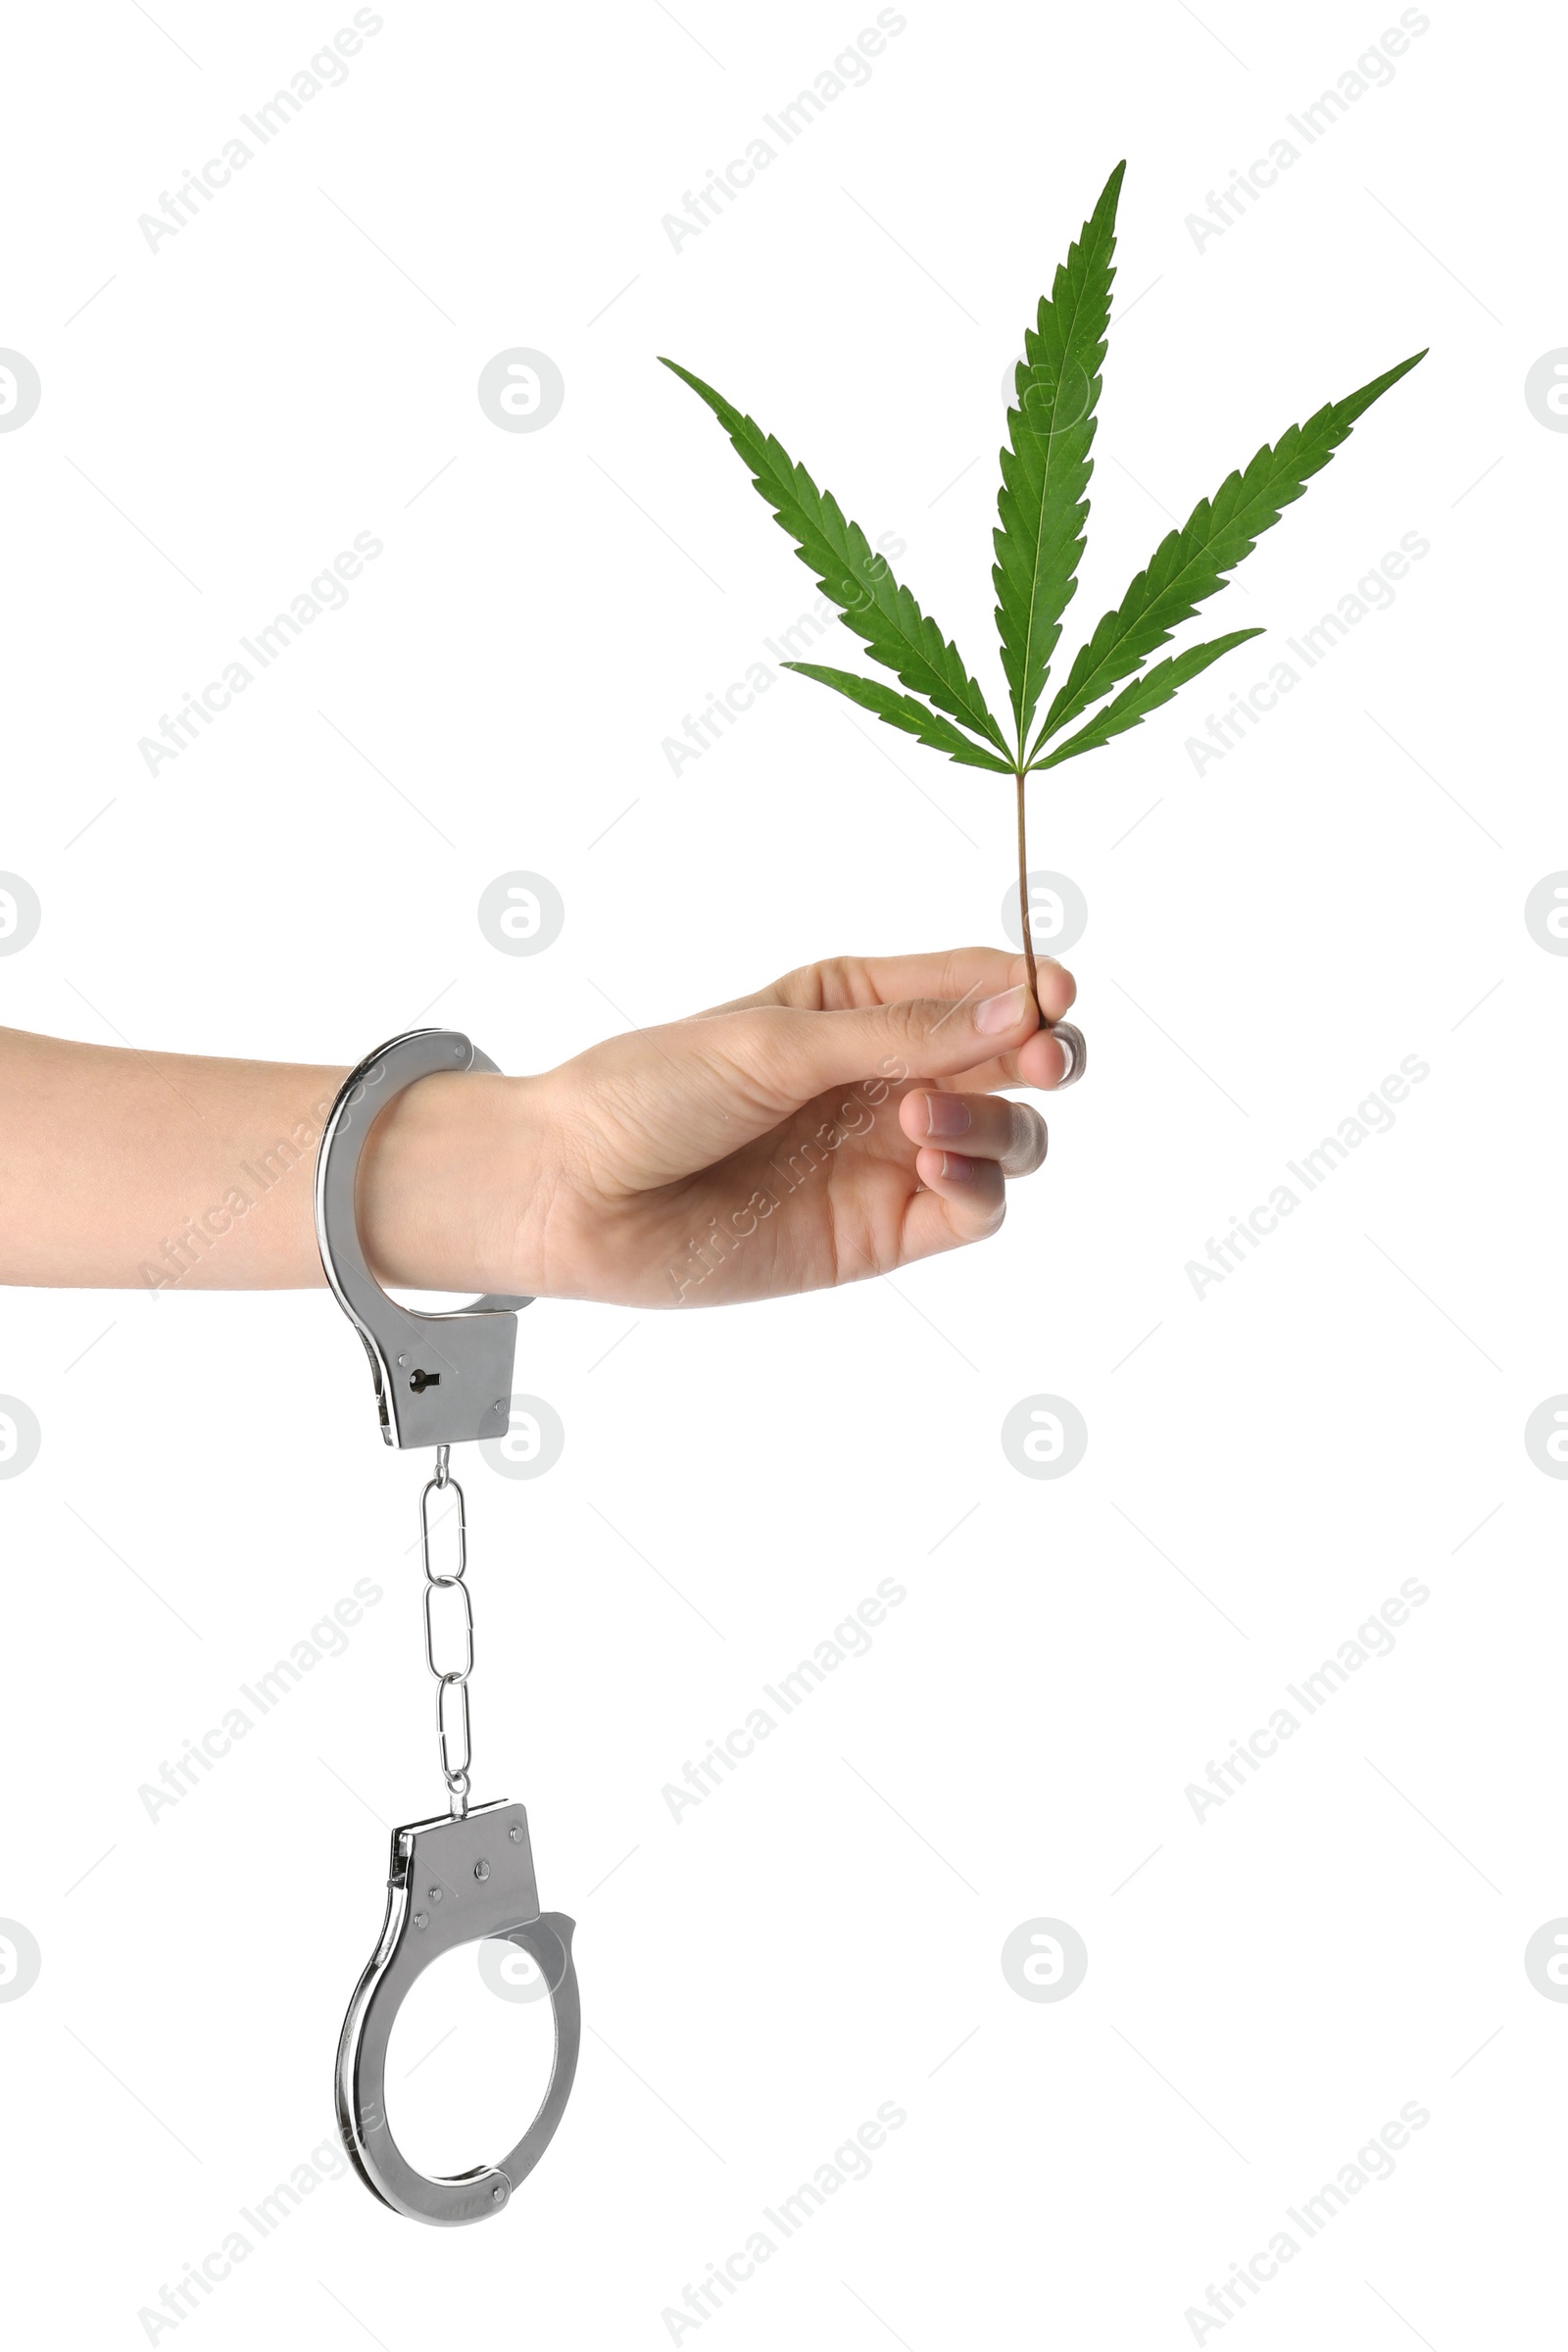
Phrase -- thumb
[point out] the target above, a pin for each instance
(793, 1055)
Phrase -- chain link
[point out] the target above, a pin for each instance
(452, 1695)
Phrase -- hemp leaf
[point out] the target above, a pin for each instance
(1043, 513)
(1042, 508)
(896, 631)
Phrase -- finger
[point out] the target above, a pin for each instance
(977, 1127)
(1050, 1060)
(964, 1201)
(780, 1057)
(846, 982)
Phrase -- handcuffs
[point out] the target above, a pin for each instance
(440, 1380)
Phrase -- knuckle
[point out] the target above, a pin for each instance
(755, 1054)
(836, 980)
(766, 1033)
(959, 966)
(896, 1037)
(801, 987)
(913, 1022)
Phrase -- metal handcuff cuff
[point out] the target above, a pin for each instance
(440, 1380)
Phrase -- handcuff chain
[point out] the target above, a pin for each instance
(453, 1727)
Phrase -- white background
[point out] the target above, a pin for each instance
(1344, 890)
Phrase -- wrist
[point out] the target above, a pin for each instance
(444, 1186)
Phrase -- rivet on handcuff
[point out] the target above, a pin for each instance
(440, 1380)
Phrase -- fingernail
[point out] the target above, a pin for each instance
(956, 1168)
(1070, 1038)
(946, 1115)
(994, 1013)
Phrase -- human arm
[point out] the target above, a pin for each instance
(842, 1121)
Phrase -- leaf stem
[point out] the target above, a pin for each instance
(1023, 892)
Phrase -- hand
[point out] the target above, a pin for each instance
(786, 1142)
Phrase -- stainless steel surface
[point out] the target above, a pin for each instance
(453, 1727)
(439, 1378)
(457, 1739)
(481, 1871)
